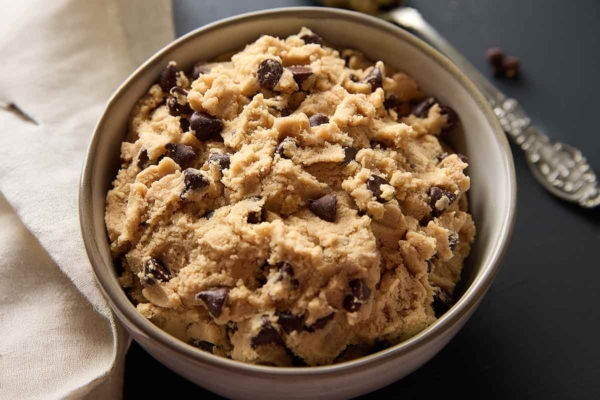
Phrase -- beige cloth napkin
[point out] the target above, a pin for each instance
(61, 61)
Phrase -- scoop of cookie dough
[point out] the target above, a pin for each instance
(294, 205)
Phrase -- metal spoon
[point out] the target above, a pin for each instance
(558, 167)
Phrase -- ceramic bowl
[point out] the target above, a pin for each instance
(492, 201)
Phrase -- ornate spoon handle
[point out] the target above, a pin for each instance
(560, 168)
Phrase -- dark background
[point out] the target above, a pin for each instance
(536, 333)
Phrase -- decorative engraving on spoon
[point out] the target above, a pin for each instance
(564, 170)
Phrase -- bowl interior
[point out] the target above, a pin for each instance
(492, 177)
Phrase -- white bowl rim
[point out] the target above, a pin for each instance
(117, 298)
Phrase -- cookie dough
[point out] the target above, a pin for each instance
(294, 205)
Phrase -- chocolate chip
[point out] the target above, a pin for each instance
(223, 159)
(282, 147)
(269, 73)
(374, 185)
(264, 270)
(289, 322)
(453, 241)
(359, 289)
(360, 292)
(214, 299)
(353, 78)
(421, 109)
(261, 280)
(320, 323)
(349, 154)
(442, 302)
(168, 78)
(311, 38)
(155, 271)
(324, 208)
(209, 214)
(503, 66)
(451, 117)
(205, 126)
(300, 73)
(287, 271)
(194, 180)
(204, 345)
(181, 154)
(231, 327)
(511, 67)
(376, 143)
(268, 334)
(199, 69)
(142, 159)
(318, 119)
(495, 56)
(184, 123)
(254, 217)
(390, 102)
(279, 111)
(496, 59)
(374, 78)
(436, 194)
(351, 303)
(176, 109)
(441, 156)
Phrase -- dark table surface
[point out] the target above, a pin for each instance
(537, 332)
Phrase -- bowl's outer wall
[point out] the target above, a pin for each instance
(492, 198)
